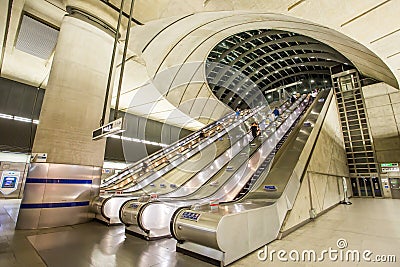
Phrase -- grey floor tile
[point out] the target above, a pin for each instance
(367, 224)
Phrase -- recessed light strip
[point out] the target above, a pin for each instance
(17, 118)
(136, 140)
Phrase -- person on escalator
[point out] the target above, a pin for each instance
(202, 134)
(314, 94)
(144, 167)
(237, 113)
(276, 112)
(292, 99)
(254, 129)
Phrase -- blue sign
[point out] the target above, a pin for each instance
(190, 216)
(9, 182)
(270, 188)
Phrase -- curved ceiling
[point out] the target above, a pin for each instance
(171, 44)
(374, 23)
(179, 31)
(261, 60)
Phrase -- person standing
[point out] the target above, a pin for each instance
(202, 134)
(314, 94)
(292, 99)
(254, 129)
(276, 112)
(237, 113)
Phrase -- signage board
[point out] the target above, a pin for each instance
(270, 187)
(390, 169)
(389, 164)
(113, 127)
(39, 157)
(106, 171)
(9, 181)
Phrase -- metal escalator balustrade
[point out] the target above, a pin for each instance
(105, 207)
(152, 219)
(160, 154)
(211, 233)
(204, 143)
(176, 152)
(266, 164)
(210, 170)
(194, 184)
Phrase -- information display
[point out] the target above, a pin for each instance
(190, 216)
(113, 127)
(9, 181)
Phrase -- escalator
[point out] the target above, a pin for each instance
(230, 139)
(163, 160)
(150, 219)
(259, 211)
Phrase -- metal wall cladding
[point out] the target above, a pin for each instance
(57, 195)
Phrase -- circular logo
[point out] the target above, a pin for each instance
(341, 243)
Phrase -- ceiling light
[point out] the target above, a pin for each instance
(328, 59)
(302, 65)
(276, 71)
(296, 57)
(269, 96)
(6, 116)
(288, 67)
(268, 65)
(312, 57)
(312, 81)
(325, 81)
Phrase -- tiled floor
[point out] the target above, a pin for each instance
(372, 224)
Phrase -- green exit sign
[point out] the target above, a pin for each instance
(389, 165)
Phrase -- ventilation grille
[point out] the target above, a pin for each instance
(36, 38)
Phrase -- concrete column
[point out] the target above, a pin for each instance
(58, 192)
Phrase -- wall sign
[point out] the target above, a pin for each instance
(39, 157)
(389, 164)
(9, 181)
(390, 169)
(113, 127)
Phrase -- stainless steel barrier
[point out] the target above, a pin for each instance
(57, 195)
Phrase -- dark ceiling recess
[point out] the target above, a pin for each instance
(245, 69)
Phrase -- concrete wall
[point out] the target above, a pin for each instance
(321, 186)
(383, 110)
